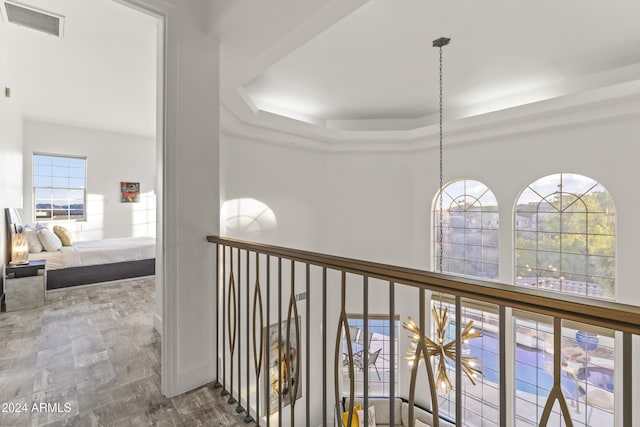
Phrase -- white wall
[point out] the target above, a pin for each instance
(190, 195)
(377, 206)
(288, 181)
(111, 158)
(10, 141)
(10, 163)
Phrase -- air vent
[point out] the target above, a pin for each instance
(29, 17)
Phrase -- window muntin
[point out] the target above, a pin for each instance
(480, 401)
(379, 376)
(565, 236)
(59, 187)
(586, 375)
(469, 230)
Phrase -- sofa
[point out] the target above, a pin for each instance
(401, 412)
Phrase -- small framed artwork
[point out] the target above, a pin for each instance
(130, 192)
(279, 363)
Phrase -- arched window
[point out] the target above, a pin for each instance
(469, 230)
(565, 236)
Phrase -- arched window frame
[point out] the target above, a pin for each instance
(556, 224)
(478, 236)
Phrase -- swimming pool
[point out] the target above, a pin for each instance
(533, 368)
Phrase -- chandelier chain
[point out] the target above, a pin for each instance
(441, 234)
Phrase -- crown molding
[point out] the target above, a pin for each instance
(617, 101)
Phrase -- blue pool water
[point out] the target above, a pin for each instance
(533, 368)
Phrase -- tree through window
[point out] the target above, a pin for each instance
(565, 236)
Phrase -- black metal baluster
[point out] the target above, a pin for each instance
(627, 379)
(365, 348)
(308, 349)
(267, 342)
(217, 384)
(239, 312)
(503, 365)
(458, 362)
(324, 346)
(247, 417)
(279, 342)
(392, 345)
(232, 335)
(224, 321)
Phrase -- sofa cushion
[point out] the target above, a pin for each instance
(381, 405)
(371, 417)
(355, 422)
(422, 415)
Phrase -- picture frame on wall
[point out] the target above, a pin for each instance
(280, 363)
(130, 192)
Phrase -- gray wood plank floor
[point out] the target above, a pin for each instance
(91, 353)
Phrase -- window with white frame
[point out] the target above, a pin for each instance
(378, 345)
(565, 236)
(469, 230)
(59, 187)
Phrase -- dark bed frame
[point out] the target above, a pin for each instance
(76, 276)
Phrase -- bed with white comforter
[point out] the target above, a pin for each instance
(93, 252)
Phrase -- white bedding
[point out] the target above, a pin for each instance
(94, 252)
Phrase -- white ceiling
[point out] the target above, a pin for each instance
(101, 74)
(334, 66)
(371, 65)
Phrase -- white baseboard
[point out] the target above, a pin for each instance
(157, 323)
(196, 377)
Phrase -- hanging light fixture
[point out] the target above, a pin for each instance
(442, 348)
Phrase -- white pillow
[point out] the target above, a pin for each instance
(50, 241)
(420, 424)
(32, 239)
(372, 417)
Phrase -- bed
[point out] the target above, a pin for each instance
(95, 261)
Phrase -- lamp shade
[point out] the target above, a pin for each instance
(19, 249)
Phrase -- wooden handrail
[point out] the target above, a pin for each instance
(607, 314)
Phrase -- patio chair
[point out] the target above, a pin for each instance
(371, 361)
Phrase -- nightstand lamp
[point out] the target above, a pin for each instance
(19, 246)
